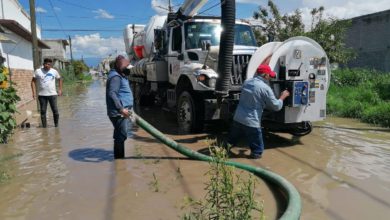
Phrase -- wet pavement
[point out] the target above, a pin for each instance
(341, 169)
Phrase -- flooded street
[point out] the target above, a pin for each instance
(341, 169)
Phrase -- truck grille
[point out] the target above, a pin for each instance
(240, 63)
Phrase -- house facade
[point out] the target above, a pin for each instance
(57, 52)
(15, 24)
(369, 36)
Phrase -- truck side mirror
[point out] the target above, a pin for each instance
(204, 43)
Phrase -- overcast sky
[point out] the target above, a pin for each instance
(100, 24)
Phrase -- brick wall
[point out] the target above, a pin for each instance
(22, 79)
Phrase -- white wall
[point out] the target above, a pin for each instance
(18, 54)
(11, 9)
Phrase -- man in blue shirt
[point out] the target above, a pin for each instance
(256, 95)
(119, 100)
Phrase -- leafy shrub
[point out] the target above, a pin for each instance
(382, 86)
(379, 114)
(68, 74)
(354, 77)
(360, 93)
(8, 100)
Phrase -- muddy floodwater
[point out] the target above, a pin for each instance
(341, 169)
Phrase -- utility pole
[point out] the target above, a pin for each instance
(35, 50)
(70, 48)
(169, 7)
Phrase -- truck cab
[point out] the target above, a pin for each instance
(192, 58)
(187, 52)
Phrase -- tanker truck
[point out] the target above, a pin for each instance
(194, 66)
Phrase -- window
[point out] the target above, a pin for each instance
(176, 39)
(196, 32)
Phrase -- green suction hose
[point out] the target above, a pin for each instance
(293, 210)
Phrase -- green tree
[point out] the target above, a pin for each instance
(330, 33)
(79, 67)
(277, 27)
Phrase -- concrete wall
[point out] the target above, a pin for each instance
(57, 49)
(369, 35)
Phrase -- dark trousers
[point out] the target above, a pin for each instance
(43, 100)
(120, 128)
(253, 137)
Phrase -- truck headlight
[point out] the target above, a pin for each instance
(212, 82)
(205, 80)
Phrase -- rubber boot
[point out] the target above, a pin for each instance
(43, 120)
(56, 117)
(119, 150)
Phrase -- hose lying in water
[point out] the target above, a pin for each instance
(293, 210)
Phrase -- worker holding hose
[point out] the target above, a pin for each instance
(256, 95)
(119, 100)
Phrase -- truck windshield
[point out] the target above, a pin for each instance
(196, 32)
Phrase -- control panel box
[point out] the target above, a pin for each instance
(300, 94)
(299, 91)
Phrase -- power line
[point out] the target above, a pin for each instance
(215, 5)
(58, 20)
(76, 5)
(80, 30)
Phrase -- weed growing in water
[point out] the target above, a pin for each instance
(154, 183)
(4, 176)
(137, 151)
(179, 175)
(229, 196)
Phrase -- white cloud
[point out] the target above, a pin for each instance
(249, 1)
(159, 5)
(342, 9)
(348, 8)
(103, 14)
(40, 10)
(94, 45)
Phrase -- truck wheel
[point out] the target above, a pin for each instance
(302, 129)
(189, 113)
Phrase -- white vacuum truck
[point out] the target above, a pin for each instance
(195, 66)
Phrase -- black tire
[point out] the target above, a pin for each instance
(189, 113)
(302, 129)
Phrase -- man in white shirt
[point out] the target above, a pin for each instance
(45, 78)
